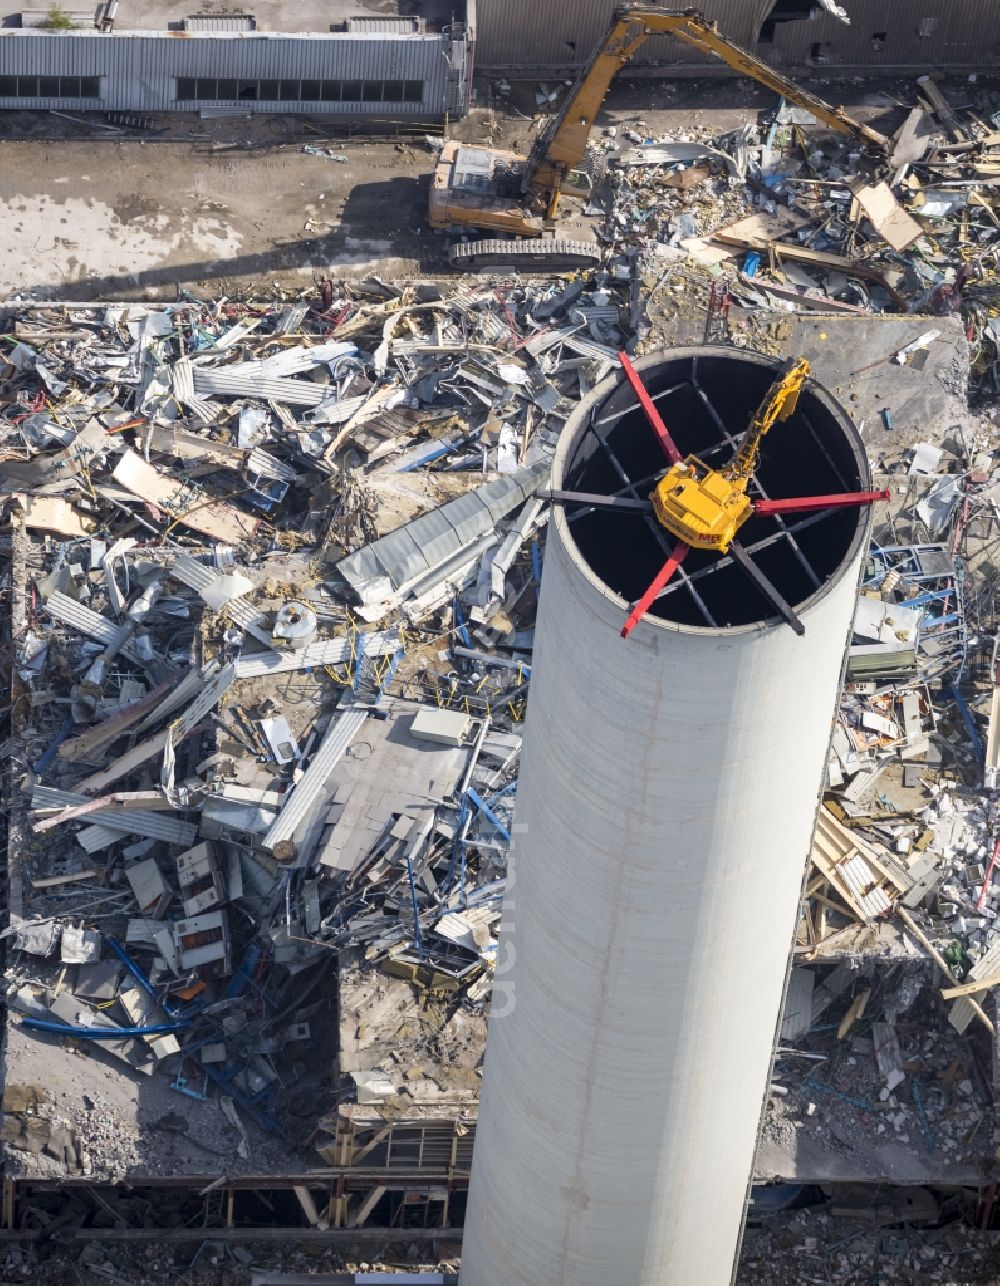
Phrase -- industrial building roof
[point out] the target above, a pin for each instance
(358, 17)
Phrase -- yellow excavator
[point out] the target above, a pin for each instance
(706, 507)
(518, 197)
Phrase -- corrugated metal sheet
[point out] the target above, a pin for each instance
(417, 548)
(562, 34)
(139, 70)
(189, 686)
(70, 612)
(129, 821)
(325, 652)
(305, 793)
(207, 699)
(211, 380)
(367, 25)
(220, 22)
(796, 1017)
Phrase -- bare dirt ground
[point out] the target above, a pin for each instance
(237, 206)
(221, 206)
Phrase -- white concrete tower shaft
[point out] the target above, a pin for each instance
(665, 807)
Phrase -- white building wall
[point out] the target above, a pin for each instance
(140, 71)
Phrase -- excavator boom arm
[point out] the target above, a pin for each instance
(696, 32)
(563, 145)
(779, 403)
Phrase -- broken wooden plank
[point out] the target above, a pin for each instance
(854, 1013)
(915, 930)
(149, 800)
(853, 869)
(87, 743)
(183, 505)
(971, 988)
(803, 254)
(888, 217)
(123, 764)
(815, 303)
(52, 881)
(52, 513)
(942, 109)
(305, 1200)
(359, 1216)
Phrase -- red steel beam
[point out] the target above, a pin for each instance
(681, 551)
(652, 414)
(802, 504)
(988, 877)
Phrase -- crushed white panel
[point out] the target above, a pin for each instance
(266, 466)
(189, 686)
(70, 612)
(124, 820)
(281, 739)
(141, 930)
(471, 929)
(324, 652)
(340, 734)
(861, 784)
(206, 700)
(988, 964)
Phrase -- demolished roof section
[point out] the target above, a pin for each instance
(224, 776)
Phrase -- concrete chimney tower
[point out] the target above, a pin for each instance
(667, 796)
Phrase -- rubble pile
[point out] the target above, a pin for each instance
(790, 217)
(275, 573)
(856, 1239)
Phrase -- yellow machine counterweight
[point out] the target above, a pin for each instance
(705, 507)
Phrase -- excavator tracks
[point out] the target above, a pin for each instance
(541, 255)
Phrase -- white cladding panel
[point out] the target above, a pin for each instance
(141, 71)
